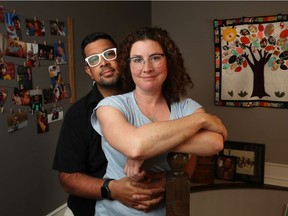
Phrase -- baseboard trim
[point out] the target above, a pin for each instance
(276, 174)
(57, 211)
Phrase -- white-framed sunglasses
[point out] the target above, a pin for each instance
(95, 59)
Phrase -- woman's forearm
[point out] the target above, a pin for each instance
(198, 136)
(153, 139)
(203, 143)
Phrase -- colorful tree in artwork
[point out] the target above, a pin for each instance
(257, 45)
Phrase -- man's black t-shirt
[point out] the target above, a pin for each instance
(79, 148)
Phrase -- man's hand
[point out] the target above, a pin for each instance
(144, 195)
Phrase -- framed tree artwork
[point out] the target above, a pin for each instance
(251, 61)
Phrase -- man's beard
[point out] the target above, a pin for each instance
(114, 83)
(110, 83)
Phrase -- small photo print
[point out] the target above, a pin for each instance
(55, 75)
(59, 52)
(57, 28)
(21, 97)
(48, 95)
(226, 167)
(15, 48)
(36, 97)
(42, 122)
(46, 52)
(35, 28)
(13, 26)
(56, 82)
(24, 76)
(7, 71)
(55, 114)
(61, 91)
(32, 55)
(65, 90)
(17, 121)
(3, 96)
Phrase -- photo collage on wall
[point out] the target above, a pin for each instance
(25, 93)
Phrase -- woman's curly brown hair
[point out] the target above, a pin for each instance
(177, 78)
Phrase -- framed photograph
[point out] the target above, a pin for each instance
(226, 167)
(250, 160)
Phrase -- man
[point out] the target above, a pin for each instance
(79, 157)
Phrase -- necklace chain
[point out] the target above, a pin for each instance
(153, 117)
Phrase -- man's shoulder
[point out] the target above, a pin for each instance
(82, 105)
(79, 104)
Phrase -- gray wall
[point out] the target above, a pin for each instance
(191, 25)
(28, 185)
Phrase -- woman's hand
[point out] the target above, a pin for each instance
(133, 169)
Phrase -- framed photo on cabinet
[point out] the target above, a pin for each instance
(226, 167)
(250, 160)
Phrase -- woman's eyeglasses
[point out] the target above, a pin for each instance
(138, 62)
(95, 59)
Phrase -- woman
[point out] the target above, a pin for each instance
(139, 127)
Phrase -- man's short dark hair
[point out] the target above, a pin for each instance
(93, 37)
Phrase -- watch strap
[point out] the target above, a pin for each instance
(105, 191)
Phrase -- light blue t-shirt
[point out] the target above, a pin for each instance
(126, 104)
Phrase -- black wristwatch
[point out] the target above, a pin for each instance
(105, 191)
